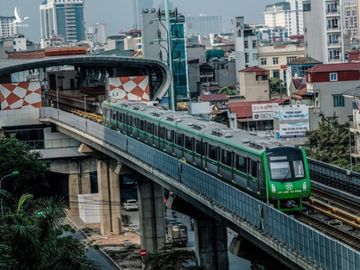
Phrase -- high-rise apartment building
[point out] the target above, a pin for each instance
(138, 7)
(64, 18)
(285, 14)
(7, 27)
(325, 38)
(351, 19)
(155, 46)
(97, 33)
(246, 45)
(203, 25)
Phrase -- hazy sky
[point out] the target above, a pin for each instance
(117, 14)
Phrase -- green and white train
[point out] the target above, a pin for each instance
(261, 167)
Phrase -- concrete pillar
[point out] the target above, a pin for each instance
(74, 191)
(85, 183)
(211, 244)
(109, 195)
(115, 199)
(151, 216)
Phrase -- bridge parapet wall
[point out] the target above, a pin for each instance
(303, 245)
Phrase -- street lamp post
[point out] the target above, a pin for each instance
(14, 173)
(350, 157)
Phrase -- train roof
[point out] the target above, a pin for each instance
(211, 130)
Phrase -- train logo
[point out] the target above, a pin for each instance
(289, 186)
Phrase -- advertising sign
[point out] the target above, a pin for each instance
(291, 121)
(265, 111)
(129, 88)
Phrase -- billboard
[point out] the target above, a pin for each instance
(200, 108)
(262, 112)
(291, 121)
(21, 95)
(129, 88)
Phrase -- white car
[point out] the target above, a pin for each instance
(131, 204)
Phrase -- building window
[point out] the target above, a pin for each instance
(339, 101)
(290, 59)
(246, 58)
(254, 44)
(276, 73)
(246, 44)
(263, 61)
(333, 77)
(275, 60)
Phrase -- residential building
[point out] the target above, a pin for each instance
(254, 84)
(246, 51)
(64, 19)
(351, 19)
(267, 34)
(225, 71)
(285, 14)
(325, 39)
(203, 25)
(96, 33)
(155, 46)
(219, 101)
(328, 82)
(116, 42)
(7, 27)
(275, 58)
(138, 7)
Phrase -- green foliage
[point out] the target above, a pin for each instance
(227, 91)
(32, 237)
(277, 87)
(34, 173)
(330, 142)
(126, 220)
(168, 259)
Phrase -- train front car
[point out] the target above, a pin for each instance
(288, 177)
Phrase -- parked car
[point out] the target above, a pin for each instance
(131, 204)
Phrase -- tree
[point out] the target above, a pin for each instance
(34, 173)
(227, 91)
(169, 258)
(330, 142)
(277, 87)
(32, 237)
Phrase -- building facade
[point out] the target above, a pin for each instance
(7, 27)
(285, 14)
(275, 58)
(63, 19)
(246, 45)
(155, 46)
(254, 84)
(351, 19)
(203, 25)
(325, 38)
(96, 33)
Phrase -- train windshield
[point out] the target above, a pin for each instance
(286, 164)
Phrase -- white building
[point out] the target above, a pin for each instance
(246, 51)
(96, 33)
(351, 18)
(7, 27)
(325, 38)
(138, 7)
(285, 14)
(271, 34)
(203, 25)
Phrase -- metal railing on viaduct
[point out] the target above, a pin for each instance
(304, 246)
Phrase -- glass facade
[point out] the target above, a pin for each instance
(70, 21)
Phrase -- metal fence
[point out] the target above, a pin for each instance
(295, 236)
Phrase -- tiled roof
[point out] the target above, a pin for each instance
(304, 61)
(257, 70)
(243, 110)
(334, 67)
(214, 97)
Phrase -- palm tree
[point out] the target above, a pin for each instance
(32, 237)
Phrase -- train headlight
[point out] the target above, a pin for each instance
(304, 186)
(273, 188)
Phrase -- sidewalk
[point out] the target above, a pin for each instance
(115, 251)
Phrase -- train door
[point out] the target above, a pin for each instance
(253, 179)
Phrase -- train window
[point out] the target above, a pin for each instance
(226, 157)
(119, 116)
(212, 152)
(150, 128)
(179, 139)
(142, 125)
(199, 147)
(114, 115)
(298, 168)
(188, 143)
(254, 168)
(169, 135)
(241, 163)
(161, 132)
